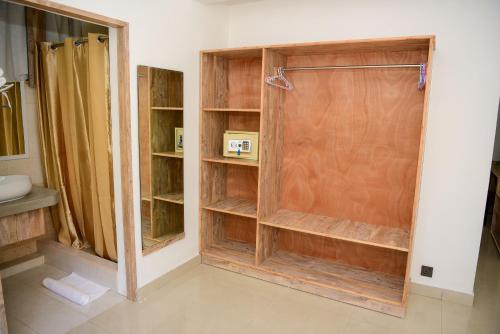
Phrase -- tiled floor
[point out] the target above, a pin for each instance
(33, 309)
(210, 300)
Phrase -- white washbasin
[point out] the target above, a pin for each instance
(13, 187)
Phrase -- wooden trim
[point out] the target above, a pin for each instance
(432, 46)
(302, 284)
(311, 44)
(3, 317)
(73, 12)
(126, 162)
(156, 247)
(125, 126)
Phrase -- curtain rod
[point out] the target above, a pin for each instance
(340, 67)
(101, 39)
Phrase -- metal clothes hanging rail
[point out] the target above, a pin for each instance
(101, 39)
(286, 84)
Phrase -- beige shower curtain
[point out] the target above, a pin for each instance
(11, 123)
(75, 128)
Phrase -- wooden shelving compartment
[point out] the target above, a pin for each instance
(235, 206)
(342, 229)
(337, 180)
(249, 110)
(168, 108)
(173, 197)
(337, 276)
(160, 112)
(178, 155)
(231, 238)
(230, 189)
(231, 161)
(331, 264)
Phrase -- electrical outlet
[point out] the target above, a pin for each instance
(426, 271)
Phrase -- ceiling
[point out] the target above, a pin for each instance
(226, 2)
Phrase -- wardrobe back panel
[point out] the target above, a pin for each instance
(241, 182)
(373, 258)
(239, 229)
(166, 88)
(351, 138)
(232, 82)
(244, 80)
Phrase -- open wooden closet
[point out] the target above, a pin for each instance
(330, 205)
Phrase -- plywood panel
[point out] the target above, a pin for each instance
(30, 224)
(406, 43)
(298, 282)
(240, 229)
(244, 82)
(235, 206)
(241, 182)
(143, 97)
(270, 154)
(359, 281)
(368, 257)
(168, 219)
(351, 138)
(271, 137)
(166, 88)
(343, 229)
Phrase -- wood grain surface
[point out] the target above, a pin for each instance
(343, 229)
(352, 137)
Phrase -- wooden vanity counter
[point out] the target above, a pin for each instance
(23, 219)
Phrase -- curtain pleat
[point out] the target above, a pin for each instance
(74, 110)
(11, 122)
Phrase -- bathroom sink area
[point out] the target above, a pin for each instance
(14, 187)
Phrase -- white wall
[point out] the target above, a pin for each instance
(167, 34)
(463, 105)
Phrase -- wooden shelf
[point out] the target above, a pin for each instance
(232, 161)
(234, 251)
(175, 197)
(363, 233)
(235, 206)
(152, 245)
(144, 198)
(378, 286)
(249, 110)
(178, 155)
(168, 108)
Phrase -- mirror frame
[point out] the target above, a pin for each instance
(25, 155)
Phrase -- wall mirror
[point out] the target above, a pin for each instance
(160, 98)
(13, 137)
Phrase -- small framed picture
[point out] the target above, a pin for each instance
(179, 139)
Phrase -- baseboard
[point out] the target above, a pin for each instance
(90, 266)
(21, 264)
(168, 277)
(442, 294)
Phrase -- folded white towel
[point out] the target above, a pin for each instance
(75, 288)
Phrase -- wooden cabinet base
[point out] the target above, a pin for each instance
(20, 227)
(300, 283)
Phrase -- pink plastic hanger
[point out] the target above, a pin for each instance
(274, 79)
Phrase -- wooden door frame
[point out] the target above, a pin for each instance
(125, 126)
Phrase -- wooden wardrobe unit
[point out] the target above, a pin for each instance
(330, 206)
